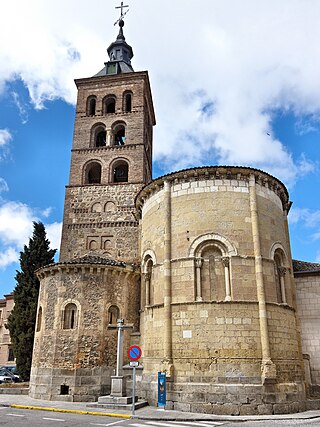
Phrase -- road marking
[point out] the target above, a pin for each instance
(204, 423)
(16, 415)
(54, 419)
(176, 423)
(110, 424)
(114, 423)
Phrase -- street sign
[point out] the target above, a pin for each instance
(133, 364)
(134, 352)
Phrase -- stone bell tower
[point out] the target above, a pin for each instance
(111, 159)
(97, 279)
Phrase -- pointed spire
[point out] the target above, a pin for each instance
(120, 53)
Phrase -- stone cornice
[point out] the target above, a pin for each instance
(111, 78)
(128, 147)
(97, 269)
(239, 173)
(102, 224)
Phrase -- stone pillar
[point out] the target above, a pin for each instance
(147, 277)
(268, 368)
(198, 262)
(166, 364)
(226, 263)
(282, 273)
(109, 138)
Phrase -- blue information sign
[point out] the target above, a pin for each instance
(162, 389)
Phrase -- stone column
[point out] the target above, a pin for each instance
(147, 277)
(282, 273)
(226, 263)
(109, 138)
(166, 363)
(198, 262)
(268, 368)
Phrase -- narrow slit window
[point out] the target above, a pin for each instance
(70, 316)
(128, 103)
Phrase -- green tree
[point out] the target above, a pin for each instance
(21, 322)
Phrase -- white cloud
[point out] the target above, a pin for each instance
(308, 217)
(21, 106)
(16, 227)
(46, 212)
(5, 138)
(3, 185)
(16, 223)
(54, 234)
(246, 58)
(9, 256)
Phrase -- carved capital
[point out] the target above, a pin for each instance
(225, 261)
(282, 271)
(198, 262)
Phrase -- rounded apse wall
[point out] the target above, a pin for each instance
(218, 298)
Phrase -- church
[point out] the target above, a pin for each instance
(197, 262)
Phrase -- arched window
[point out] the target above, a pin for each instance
(149, 283)
(107, 244)
(212, 274)
(280, 272)
(109, 207)
(109, 105)
(101, 138)
(70, 316)
(93, 173)
(120, 171)
(39, 319)
(127, 102)
(96, 207)
(212, 270)
(113, 314)
(98, 135)
(119, 135)
(91, 106)
(93, 245)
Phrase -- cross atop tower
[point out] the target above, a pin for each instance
(122, 14)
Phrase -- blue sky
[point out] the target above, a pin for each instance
(233, 83)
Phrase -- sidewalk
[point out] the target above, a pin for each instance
(146, 413)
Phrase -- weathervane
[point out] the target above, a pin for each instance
(121, 14)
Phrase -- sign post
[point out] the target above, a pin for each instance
(162, 390)
(118, 382)
(134, 354)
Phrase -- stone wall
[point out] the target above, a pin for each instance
(83, 357)
(6, 306)
(308, 302)
(211, 236)
(100, 219)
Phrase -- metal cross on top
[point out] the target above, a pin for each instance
(121, 14)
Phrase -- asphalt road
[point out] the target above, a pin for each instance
(28, 418)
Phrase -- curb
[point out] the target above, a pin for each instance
(70, 411)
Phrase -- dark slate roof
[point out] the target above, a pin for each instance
(124, 68)
(95, 259)
(305, 267)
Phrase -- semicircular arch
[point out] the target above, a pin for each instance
(201, 242)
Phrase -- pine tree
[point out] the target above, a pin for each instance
(21, 322)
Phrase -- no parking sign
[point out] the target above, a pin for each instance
(134, 352)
